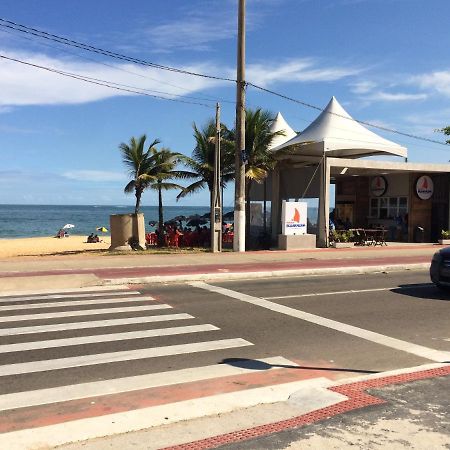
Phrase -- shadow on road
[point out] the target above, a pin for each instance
(422, 291)
(254, 364)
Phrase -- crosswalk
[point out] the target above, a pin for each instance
(63, 354)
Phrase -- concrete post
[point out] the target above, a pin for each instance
(275, 205)
(323, 222)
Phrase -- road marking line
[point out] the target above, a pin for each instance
(73, 291)
(74, 295)
(95, 339)
(84, 312)
(91, 324)
(135, 383)
(351, 291)
(79, 430)
(418, 350)
(112, 301)
(127, 355)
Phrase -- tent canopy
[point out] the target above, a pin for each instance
(337, 134)
(279, 124)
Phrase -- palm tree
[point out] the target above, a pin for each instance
(201, 164)
(260, 161)
(141, 163)
(167, 161)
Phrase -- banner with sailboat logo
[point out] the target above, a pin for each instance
(294, 217)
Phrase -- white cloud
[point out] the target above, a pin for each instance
(25, 85)
(438, 81)
(395, 96)
(94, 175)
(302, 70)
(363, 87)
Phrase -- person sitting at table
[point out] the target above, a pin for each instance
(347, 224)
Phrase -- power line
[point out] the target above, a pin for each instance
(308, 105)
(101, 82)
(70, 42)
(119, 68)
(62, 40)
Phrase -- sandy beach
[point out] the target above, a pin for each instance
(50, 246)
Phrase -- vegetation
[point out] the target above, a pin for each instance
(341, 236)
(142, 166)
(445, 234)
(446, 131)
(201, 164)
(165, 162)
(260, 160)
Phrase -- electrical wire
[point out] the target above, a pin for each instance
(119, 68)
(362, 122)
(62, 40)
(101, 82)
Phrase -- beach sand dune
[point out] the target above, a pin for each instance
(49, 245)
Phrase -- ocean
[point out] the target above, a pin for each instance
(18, 221)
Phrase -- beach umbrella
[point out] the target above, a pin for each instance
(206, 216)
(196, 221)
(102, 229)
(228, 216)
(68, 226)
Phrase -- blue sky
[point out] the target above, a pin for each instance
(386, 61)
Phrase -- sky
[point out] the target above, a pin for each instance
(386, 61)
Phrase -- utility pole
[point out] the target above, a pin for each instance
(239, 190)
(216, 197)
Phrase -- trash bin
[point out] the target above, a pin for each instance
(419, 234)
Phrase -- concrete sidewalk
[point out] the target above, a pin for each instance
(83, 270)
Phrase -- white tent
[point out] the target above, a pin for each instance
(279, 124)
(335, 133)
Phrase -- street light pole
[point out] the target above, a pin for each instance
(239, 190)
(216, 198)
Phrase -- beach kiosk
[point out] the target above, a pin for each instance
(408, 200)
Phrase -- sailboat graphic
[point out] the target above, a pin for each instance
(296, 217)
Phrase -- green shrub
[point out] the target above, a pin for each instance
(342, 236)
(445, 234)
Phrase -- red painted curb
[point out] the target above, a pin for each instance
(357, 398)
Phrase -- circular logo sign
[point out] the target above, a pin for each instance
(378, 186)
(424, 187)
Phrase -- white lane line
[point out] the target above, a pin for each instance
(73, 291)
(51, 436)
(127, 355)
(111, 301)
(84, 312)
(37, 345)
(418, 350)
(351, 291)
(72, 296)
(136, 383)
(91, 324)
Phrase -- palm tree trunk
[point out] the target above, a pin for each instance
(138, 201)
(161, 240)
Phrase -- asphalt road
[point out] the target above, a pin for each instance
(400, 305)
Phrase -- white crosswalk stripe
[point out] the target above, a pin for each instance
(74, 303)
(92, 324)
(21, 356)
(118, 368)
(84, 312)
(25, 346)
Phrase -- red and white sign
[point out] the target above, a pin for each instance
(293, 217)
(424, 187)
(378, 186)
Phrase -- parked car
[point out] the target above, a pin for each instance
(440, 268)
